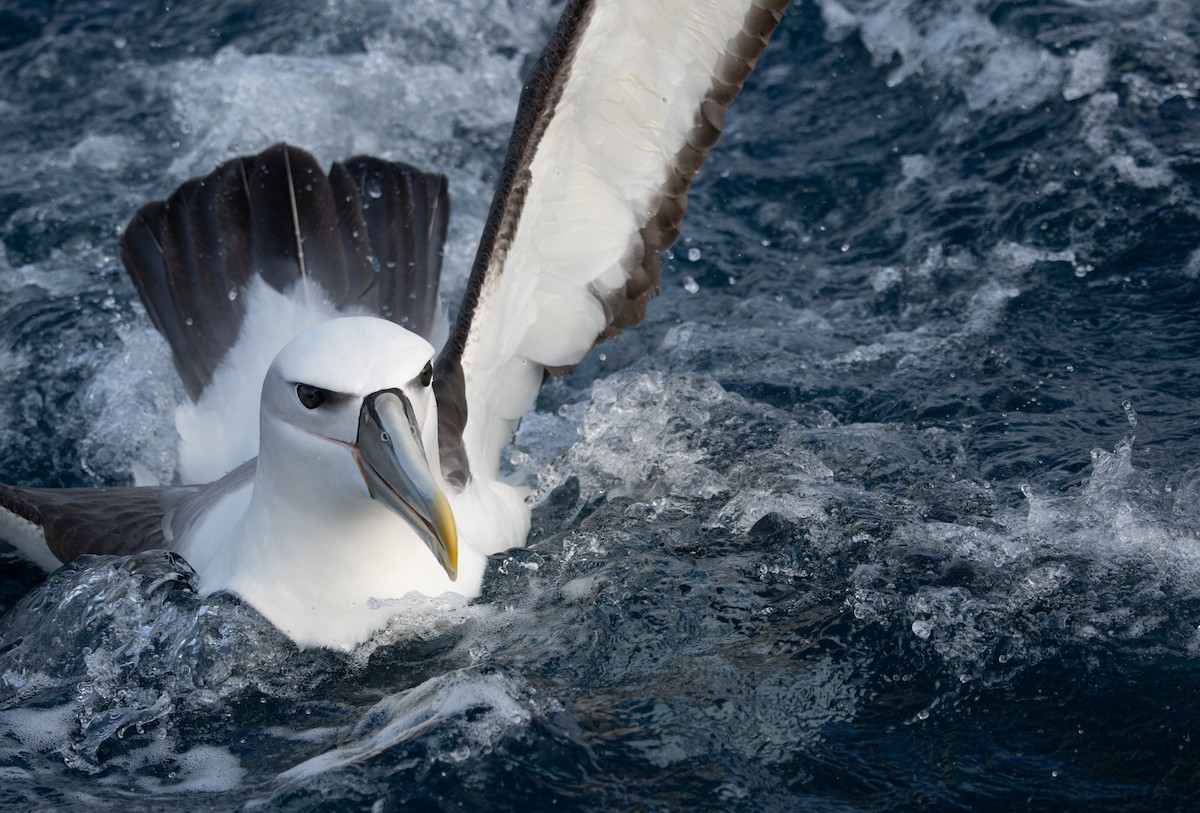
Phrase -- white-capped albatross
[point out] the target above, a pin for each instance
(344, 461)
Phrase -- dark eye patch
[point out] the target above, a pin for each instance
(427, 375)
(311, 397)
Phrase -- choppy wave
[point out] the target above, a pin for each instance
(890, 503)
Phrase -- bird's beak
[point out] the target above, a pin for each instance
(392, 460)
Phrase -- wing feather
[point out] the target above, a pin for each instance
(615, 119)
(54, 525)
(370, 235)
(75, 521)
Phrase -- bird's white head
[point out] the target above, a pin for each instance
(348, 417)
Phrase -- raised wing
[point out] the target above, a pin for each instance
(370, 235)
(234, 264)
(616, 117)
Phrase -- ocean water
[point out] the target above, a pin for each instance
(891, 503)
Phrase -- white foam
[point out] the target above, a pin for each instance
(1089, 72)
(579, 589)
(1135, 159)
(129, 403)
(914, 168)
(839, 22)
(625, 435)
(1014, 76)
(418, 617)
(199, 769)
(750, 505)
(956, 44)
(106, 153)
(1110, 532)
(315, 734)
(39, 729)
(1139, 175)
(59, 276)
(207, 769)
(404, 97)
(478, 708)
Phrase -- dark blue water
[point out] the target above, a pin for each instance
(890, 504)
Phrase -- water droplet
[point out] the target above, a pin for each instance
(690, 285)
(1130, 413)
(233, 294)
(693, 254)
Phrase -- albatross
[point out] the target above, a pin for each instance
(332, 458)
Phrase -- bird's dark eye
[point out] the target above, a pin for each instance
(311, 397)
(427, 375)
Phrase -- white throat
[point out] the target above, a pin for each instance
(321, 559)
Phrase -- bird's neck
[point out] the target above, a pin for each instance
(326, 566)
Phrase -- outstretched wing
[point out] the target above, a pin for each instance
(369, 234)
(52, 526)
(616, 117)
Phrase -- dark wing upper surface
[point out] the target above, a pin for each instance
(115, 521)
(615, 119)
(75, 521)
(406, 213)
(369, 234)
